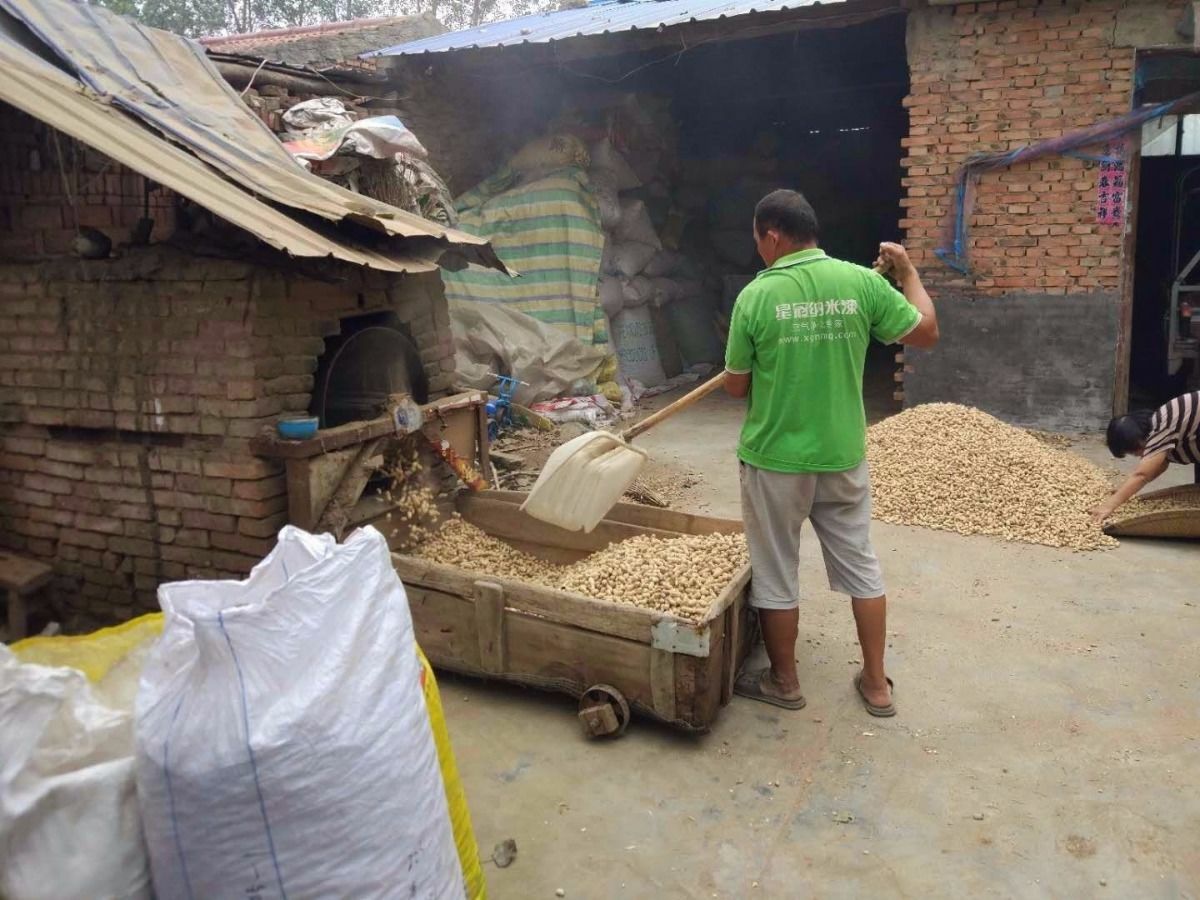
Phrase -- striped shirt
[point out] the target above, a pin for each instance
(1175, 428)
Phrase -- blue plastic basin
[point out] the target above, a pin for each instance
(298, 429)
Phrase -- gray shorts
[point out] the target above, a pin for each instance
(774, 507)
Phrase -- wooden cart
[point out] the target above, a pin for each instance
(615, 658)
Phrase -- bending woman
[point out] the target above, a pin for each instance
(1170, 434)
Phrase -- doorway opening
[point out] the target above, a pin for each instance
(1165, 330)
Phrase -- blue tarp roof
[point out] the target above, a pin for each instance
(598, 18)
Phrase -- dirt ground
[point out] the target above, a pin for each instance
(1046, 744)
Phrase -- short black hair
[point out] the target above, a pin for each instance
(788, 213)
(1128, 433)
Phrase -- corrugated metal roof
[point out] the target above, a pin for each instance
(169, 84)
(328, 44)
(600, 18)
(40, 89)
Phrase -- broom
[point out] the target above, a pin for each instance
(586, 476)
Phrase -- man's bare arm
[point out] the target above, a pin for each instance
(737, 385)
(894, 257)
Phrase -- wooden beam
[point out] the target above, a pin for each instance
(489, 620)
(336, 513)
(662, 683)
(329, 439)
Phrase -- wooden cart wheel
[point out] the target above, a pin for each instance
(603, 711)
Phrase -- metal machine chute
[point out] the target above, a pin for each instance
(362, 371)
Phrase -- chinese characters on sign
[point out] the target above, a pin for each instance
(1110, 193)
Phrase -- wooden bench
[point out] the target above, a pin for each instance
(20, 577)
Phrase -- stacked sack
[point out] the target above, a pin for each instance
(639, 274)
(275, 737)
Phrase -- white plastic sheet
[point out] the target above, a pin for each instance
(490, 339)
(320, 112)
(283, 744)
(380, 137)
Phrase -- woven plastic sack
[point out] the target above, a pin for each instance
(552, 151)
(605, 159)
(607, 199)
(635, 224)
(638, 292)
(630, 258)
(284, 746)
(667, 290)
(612, 295)
(637, 346)
(69, 825)
(112, 658)
(665, 262)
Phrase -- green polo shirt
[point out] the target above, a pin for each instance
(801, 330)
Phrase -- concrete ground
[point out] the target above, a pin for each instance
(1046, 744)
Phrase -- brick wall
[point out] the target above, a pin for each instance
(130, 387)
(995, 76)
(50, 184)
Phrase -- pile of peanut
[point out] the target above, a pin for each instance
(680, 575)
(955, 468)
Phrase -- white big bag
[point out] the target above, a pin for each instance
(283, 745)
(69, 826)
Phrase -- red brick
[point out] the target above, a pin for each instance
(221, 487)
(207, 521)
(238, 543)
(150, 531)
(248, 469)
(192, 556)
(101, 524)
(263, 489)
(234, 563)
(264, 527)
(192, 537)
(83, 538)
(132, 546)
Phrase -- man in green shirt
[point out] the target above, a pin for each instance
(797, 345)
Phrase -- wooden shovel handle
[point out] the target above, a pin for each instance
(670, 409)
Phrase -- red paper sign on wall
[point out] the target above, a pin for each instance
(1111, 187)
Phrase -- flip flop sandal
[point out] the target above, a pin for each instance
(750, 685)
(880, 712)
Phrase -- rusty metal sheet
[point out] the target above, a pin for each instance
(168, 83)
(37, 87)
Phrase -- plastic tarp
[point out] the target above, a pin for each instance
(379, 137)
(501, 339)
(548, 230)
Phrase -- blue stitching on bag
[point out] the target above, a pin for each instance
(187, 881)
(262, 805)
